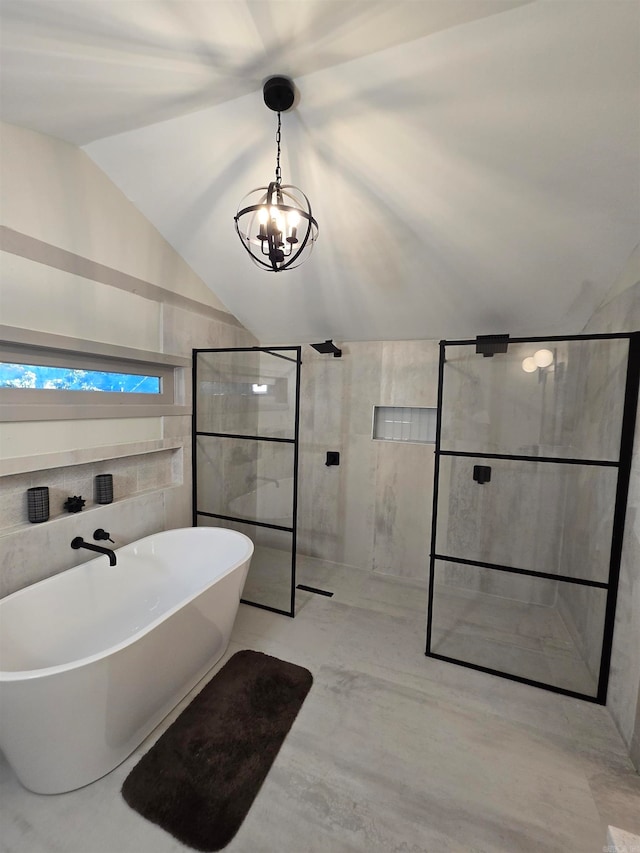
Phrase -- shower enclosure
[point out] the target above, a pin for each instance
(246, 405)
(533, 458)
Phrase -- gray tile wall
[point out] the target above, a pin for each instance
(622, 314)
(373, 511)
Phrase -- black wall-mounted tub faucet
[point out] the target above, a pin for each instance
(79, 542)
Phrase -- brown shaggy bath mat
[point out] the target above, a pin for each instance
(199, 780)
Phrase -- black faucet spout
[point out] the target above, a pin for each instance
(79, 542)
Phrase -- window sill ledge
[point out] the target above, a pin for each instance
(67, 412)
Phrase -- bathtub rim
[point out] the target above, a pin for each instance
(246, 518)
(7, 675)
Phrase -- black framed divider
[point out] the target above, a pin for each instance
(533, 458)
(246, 411)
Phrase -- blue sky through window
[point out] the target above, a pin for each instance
(72, 379)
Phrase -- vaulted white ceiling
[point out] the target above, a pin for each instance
(474, 165)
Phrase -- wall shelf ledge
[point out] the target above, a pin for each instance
(64, 458)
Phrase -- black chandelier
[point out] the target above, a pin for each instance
(274, 223)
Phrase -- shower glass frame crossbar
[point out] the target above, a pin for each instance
(623, 466)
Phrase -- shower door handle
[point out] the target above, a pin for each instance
(482, 474)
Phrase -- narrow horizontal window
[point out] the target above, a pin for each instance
(36, 376)
(41, 382)
(404, 423)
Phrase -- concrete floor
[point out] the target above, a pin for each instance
(392, 752)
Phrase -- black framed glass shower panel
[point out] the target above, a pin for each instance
(508, 623)
(537, 537)
(527, 498)
(246, 404)
(571, 410)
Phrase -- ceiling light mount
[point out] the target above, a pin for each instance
(279, 94)
(275, 223)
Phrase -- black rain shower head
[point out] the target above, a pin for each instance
(328, 347)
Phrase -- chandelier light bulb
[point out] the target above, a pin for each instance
(543, 358)
(529, 365)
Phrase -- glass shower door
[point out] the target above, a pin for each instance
(245, 459)
(531, 471)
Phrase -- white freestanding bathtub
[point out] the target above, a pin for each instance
(93, 658)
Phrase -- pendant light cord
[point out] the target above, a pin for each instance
(278, 136)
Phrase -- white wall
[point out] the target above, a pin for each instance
(54, 192)
(79, 260)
